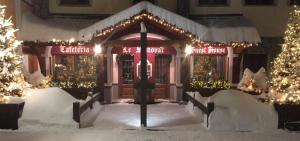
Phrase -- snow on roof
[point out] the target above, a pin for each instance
(195, 28)
(231, 29)
(218, 29)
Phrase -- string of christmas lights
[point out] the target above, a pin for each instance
(192, 39)
(195, 41)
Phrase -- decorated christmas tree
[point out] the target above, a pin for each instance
(11, 78)
(285, 75)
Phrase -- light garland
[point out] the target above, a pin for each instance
(70, 84)
(215, 84)
(55, 43)
(191, 37)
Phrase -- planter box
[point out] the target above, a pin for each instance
(78, 93)
(9, 115)
(205, 92)
(288, 116)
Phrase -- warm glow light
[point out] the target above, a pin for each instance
(53, 40)
(188, 50)
(97, 49)
(72, 40)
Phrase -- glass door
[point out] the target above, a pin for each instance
(126, 71)
(162, 69)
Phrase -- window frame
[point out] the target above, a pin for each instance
(275, 2)
(289, 3)
(75, 4)
(228, 2)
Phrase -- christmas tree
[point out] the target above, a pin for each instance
(11, 78)
(285, 75)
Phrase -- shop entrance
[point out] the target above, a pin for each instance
(162, 69)
(126, 78)
(158, 68)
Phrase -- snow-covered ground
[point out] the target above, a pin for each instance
(120, 122)
(175, 124)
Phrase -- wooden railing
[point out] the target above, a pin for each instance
(206, 109)
(79, 109)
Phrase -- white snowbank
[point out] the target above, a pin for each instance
(35, 78)
(48, 106)
(194, 110)
(238, 111)
(89, 116)
(260, 81)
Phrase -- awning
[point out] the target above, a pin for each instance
(230, 29)
(193, 27)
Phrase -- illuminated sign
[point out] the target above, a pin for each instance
(153, 50)
(72, 50)
(210, 51)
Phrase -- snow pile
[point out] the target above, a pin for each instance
(89, 116)
(48, 106)
(261, 79)
(35, 78)
(254, 82)
(238, 111)
(13, 100)
(194, 110)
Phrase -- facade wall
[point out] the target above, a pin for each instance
(270, 20)
(260, 16)
(105, 7)
(10, 9)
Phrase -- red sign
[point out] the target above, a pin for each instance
(72, 50)
(153, 50)
(210, 51)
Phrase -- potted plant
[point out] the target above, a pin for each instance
(149, 88)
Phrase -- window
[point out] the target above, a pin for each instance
(33, 63)
(137, 1)
(212, 2)
(161, 69)
(208, 68)
(294, 2)
(259, 2)
(75, 2)
(71, 68)
(127, 69)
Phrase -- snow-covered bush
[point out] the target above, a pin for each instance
(238, 111)
(254, 82)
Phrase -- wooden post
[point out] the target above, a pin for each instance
(143, 94)
(100, 75)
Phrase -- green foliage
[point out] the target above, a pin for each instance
(70, 84)
(215, 84)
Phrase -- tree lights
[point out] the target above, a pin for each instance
(285, 75)
(11, 78)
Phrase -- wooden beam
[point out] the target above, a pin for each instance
(134, 43)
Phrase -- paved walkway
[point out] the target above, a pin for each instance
(127, 116)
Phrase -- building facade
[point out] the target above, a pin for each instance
(225, 21)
